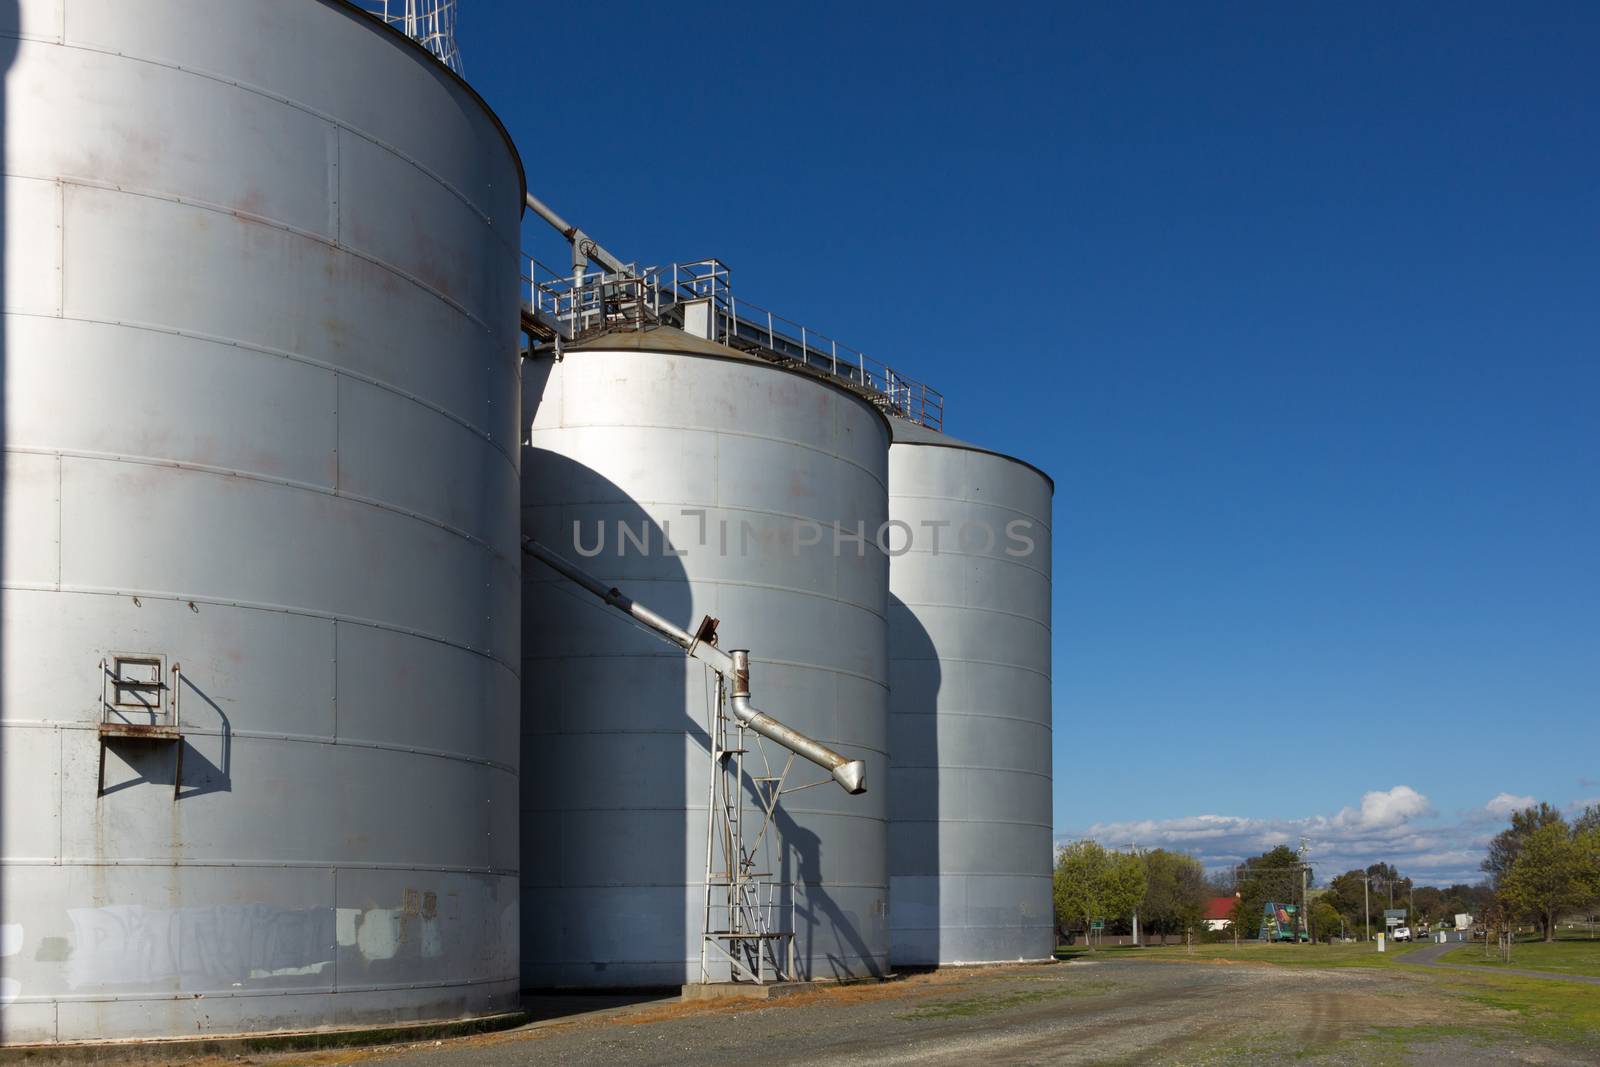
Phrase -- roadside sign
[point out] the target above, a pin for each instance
(1097, 924)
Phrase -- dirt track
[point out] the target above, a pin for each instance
(1127, 1011)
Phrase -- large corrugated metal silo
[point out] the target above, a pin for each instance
(261, 631)
(969, 707)
(715, 461)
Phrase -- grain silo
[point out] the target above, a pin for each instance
(703, 481)
(969, 708)
(261, 632)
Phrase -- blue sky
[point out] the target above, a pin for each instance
(1300, 308)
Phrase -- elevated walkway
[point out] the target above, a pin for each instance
(698, 298)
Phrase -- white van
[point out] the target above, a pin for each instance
(1400, 933)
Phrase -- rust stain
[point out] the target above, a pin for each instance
(253, 202)
(338, 330)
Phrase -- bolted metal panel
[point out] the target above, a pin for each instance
(679, 447)
(260, 405)
(969, 710)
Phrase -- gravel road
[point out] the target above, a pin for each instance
(1122, 1011)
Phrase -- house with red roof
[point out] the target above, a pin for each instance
(1219, 913)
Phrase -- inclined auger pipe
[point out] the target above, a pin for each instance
(584, 247)
(611, 595)
(850, 774)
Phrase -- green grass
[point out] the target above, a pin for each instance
(1549, 1009)
(1287, 955)
(1539, 1009)
(1394, 1046)
(1558, 957)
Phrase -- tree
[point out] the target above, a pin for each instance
(1469, 899)
(1345, 895)
(1384, 887)
(1507, 843)
(1175, 892)
(1272, 876)
(1243, 918)
(1429, 903)
(1124, 885)
(1326, 919)
(1080, 877)
(1383, 883)
(1160, 898)
(1587, 820)
(1497, 925)
(1554, 869)
(1192, 896)
(1091, 883)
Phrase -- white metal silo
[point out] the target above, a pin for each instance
(969, 706)
(260, 633)
(727, 475)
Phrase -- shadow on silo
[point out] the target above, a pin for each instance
(606, 713)
(915, 885)
(815, 909)
(184, 767)
(200, 774)
(605, 872)
(827, 933)
(9, 26)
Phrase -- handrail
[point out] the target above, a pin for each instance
(431, 23)
(574, 304)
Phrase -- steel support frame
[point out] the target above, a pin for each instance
(754, 940)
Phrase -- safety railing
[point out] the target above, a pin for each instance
(431, 23)
(575, 305)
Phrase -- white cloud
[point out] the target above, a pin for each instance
(1384, 808)
(1397, 826)
(1504, 804)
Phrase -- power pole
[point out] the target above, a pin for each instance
(1133, 847)
(1305, 904)
(1366, 905)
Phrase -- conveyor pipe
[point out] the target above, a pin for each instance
(584, 247)
(849, 773)
(735, 666)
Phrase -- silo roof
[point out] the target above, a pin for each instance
(905, 432)
(417, 50)
(670, 339)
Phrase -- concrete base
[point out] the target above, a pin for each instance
(743, 990)
(773, 990)
(928, 968)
